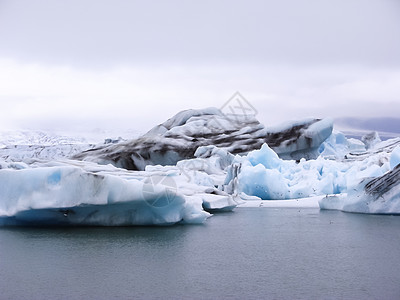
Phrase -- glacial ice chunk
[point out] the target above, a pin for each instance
(66, 195)
(371, 139)
(179, 138)
(395, 157)
(380, 195)
(263, 174)
(337, 146)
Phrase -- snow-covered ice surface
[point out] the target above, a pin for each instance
(22, 145)
(194, 164)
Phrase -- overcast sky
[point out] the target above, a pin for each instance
(133, 64)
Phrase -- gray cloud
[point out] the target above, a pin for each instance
(36, 95)
(103, 33)
(115, 63)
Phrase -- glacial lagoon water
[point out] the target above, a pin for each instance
(252, 253)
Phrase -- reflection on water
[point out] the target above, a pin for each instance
(251, 253)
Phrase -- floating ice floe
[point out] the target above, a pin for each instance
(69, 192)
(70, 195)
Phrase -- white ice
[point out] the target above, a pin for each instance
(50, 189)
(395, 157)
(262, 174)
(69, 195)
(265, 175)
(69, 192)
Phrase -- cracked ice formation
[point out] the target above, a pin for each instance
(262, 173)
(179, 137)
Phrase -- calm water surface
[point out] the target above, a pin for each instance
(249, 254)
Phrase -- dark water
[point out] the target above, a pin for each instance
(249, 254)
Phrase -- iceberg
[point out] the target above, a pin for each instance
(69, 195)
(299, 139)
(80, 193)
(380, 195)
(198, 163)
(179, 137)
(262, 173)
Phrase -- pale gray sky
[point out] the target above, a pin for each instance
(135, 63)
